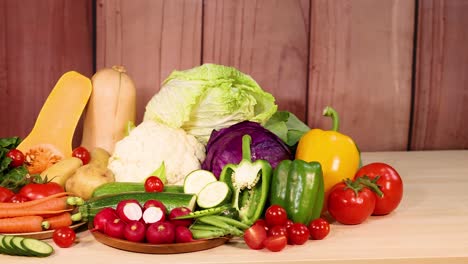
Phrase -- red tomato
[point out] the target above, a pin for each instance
(154, 184)
(16, 156)
(262, 223)
(18, 198)
(83, 154)
(278, 230)
(5, 194)
(35, 191)
(298, 234)
(254, 236)
(350, 208)
(288, 224)
(64, 237)
(319, 228)
(390, 184)
(275, 215)
(275, 243)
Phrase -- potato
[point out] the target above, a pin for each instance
(87, 178)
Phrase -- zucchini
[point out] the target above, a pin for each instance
(20, 246)
(214, 194)
(122, 187)
(16, 244)
(196, 180)
(171, 200)
(6, 244)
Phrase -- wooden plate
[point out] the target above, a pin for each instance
(160, 248)
(43, 234)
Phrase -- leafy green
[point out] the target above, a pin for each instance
(11, 178)
(287, 126)
(209, 97)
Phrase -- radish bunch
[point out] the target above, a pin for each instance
(148, 223)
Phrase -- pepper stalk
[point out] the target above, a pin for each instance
(250, 182)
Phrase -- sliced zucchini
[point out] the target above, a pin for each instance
(2, 248)
(214, 194)
(196, 180)
(37, 248)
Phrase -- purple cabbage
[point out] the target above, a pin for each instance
(225, 146)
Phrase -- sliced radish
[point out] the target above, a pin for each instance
(153, 214)
(155, 203)
(129, 210)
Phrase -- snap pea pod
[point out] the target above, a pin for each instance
(214, 221)
(205, 212)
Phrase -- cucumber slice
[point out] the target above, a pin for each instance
(16, 244)
(214, 194)
(37, 248)
(2, 248)
(196, 180)
(6, 241)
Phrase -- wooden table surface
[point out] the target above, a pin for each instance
(429, 226)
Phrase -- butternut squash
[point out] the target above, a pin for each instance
(111, 106)
(50, 140)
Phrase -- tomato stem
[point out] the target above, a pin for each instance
(371, 184)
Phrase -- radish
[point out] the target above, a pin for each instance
(153, 214)
(101, 218)
(129, 210)
(135, 231)
(180, 211)
(160, 233)
(115, 228)
(183, 234)
(155, 203)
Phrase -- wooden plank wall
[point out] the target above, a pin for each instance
(395, 69)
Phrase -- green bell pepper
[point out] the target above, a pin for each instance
(298, 187)
(250, 183)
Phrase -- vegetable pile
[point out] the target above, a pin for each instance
(212, 158)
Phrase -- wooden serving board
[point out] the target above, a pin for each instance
(148, 248)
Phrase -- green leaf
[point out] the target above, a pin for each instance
(287, 126)
(161, 173)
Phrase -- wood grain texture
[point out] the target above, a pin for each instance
(150, 38)
(361, 63)
(441, 94)
(39, 41)
(267, 39)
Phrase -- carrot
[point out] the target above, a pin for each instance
(21, 224)
(31, 203)
(26, 212)
(60, 220)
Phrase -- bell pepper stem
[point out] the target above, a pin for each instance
(246, 154)
(330, 112)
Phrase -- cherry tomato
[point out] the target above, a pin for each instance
(350, 208)
(5, 194)
(288, 224)
(18, 198)
(275, 215)
(275, 243)
(35, 191)
(298, 234)
(83, 154)
(390, 184)
(319, 228)
(278, 230)
(154, 184)
(262, 223)
(16, 156)
(254, 236)
(64, 237)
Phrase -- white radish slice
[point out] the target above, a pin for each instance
(153, 214)
(132, 211)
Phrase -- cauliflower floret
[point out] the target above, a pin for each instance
(149, 144)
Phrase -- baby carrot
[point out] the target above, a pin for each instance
(60, 220)
(31, 203)
(21, 224)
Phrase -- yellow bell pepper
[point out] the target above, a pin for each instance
(336, 152)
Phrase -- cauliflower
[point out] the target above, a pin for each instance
(149, 144)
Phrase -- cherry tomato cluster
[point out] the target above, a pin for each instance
(275, 231)
(376, 189)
